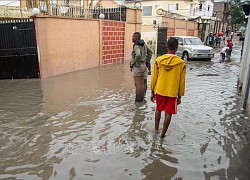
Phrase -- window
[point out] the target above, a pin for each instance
(147, 10)
(177, 6)
(180, 40)
(172, 7)
(200, 7)
(193, 41)
(208, 7)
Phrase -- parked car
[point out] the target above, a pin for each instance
(241, 30)
(192, 48)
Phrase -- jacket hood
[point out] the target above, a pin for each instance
(140, 42)
(169, 61)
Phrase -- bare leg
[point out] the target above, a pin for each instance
(145, 86)
(166, 124)
(139, 88)
(157, 119)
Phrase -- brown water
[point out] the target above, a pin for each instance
(85, 125)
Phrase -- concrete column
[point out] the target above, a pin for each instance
(36, 4)
(48, 6)
(92, 4)
(22, 3)
(85, 4)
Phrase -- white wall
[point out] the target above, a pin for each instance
(150, 37)
(204, 11)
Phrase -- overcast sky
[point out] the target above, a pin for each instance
(10, 2)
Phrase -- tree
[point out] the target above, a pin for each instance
(237, 14)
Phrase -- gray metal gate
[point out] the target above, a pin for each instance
(18, 50)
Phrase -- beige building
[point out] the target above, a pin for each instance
(221, 11)
(155, 15)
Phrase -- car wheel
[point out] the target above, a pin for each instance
(185, 56)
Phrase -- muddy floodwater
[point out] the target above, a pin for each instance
(85, 125)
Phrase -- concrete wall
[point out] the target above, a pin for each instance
(67, 44)
(174, 27)
(245, 62)
(179, 27)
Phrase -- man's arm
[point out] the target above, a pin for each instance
(149, 54)
(148, 59)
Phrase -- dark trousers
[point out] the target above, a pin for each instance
(229, 52)
(223, 55)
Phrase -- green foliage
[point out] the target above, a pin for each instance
(236, 12)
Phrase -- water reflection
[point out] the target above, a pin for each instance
(24, 139)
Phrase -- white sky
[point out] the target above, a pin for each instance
(10, 2)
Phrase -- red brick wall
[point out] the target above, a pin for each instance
(170, 32)
(190, 32)
(113, 34)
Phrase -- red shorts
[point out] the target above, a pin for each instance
(167, 104)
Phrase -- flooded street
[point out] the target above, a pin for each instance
(85, 125)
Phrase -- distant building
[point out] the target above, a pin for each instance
(221, 11)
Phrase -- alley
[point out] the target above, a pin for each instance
(85, 125)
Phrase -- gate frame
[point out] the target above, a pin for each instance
(159, 42)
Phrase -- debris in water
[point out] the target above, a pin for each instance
(208, 74)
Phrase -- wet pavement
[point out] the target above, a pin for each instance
(85, 125)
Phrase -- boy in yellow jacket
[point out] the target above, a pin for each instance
(168, 84)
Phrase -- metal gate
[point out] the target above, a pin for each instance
(18, 50)
(162, 41)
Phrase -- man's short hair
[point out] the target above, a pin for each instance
(172, 43)
(137, 35)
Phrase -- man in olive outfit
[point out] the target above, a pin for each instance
(140, 65)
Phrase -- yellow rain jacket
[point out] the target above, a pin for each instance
(168, 77)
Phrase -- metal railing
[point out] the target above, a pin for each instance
(116, 13)
(169, 14)
(14, 12)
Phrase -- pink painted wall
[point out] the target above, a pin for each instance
(66, 45)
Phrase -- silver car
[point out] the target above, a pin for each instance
(192, 48)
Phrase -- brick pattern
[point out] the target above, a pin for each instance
(170, 32)
(113, 34)
(190, 32)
